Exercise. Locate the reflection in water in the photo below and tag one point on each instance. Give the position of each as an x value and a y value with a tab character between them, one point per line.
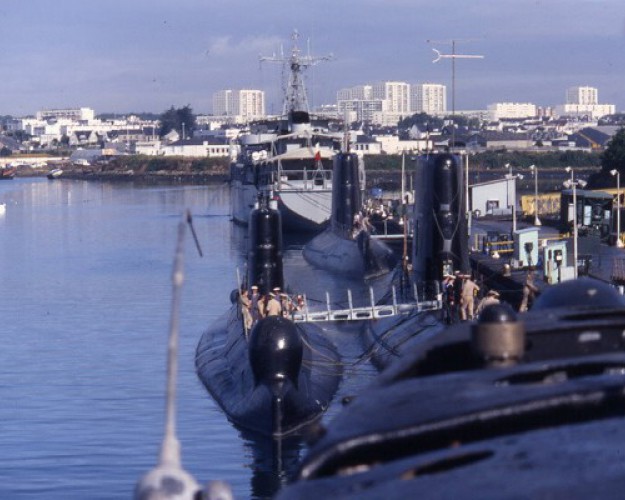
84	319
273	461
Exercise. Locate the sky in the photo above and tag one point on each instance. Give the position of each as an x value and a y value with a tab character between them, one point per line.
148	55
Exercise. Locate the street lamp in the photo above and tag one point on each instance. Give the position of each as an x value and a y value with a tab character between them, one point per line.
573	183
619	243
510	176
534	169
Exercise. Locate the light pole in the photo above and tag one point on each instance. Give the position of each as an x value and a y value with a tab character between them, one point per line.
534	169
619	242
514	178
572	183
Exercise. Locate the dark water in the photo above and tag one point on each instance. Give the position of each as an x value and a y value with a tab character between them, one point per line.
85	273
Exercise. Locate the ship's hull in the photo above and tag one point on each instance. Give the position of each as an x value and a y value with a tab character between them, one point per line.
388	339
508	407
362	257
302	210
223	365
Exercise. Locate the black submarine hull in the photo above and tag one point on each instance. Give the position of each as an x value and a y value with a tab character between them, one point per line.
440	246
388	339
223	365
279	375
464	422
343	248
362	257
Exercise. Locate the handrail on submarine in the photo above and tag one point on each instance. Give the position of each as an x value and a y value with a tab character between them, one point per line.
369	312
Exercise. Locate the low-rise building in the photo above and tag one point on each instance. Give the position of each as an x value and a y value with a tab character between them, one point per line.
198	147
501	110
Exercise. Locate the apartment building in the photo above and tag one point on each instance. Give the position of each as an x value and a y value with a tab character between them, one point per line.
382	103
503	110
245	103
582	95
394	95
430	98
584	102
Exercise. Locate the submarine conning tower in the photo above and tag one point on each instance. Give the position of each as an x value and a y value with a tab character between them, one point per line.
264	260
441	236
346	196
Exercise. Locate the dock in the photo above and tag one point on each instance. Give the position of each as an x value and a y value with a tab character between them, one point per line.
494	268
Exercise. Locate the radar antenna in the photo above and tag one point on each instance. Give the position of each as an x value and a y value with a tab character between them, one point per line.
294	90
453	56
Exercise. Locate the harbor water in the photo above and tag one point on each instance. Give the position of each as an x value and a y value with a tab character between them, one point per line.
85	269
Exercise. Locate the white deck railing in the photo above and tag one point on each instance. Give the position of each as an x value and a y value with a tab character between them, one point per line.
372	311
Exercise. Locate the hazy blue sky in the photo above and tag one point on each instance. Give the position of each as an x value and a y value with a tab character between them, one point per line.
147	55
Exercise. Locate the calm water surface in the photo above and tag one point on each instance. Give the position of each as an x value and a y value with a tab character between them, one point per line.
86	290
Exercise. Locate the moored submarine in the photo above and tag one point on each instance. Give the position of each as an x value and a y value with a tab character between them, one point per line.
281	375
440	247
345	247
513	406
441	236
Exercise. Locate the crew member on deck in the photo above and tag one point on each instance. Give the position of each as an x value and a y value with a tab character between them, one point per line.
246	306
492	297
469	291
274	308
529	293
448	298
262	306
254	310
457	296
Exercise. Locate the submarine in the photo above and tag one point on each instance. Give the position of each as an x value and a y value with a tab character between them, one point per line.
440	247
280	376
528	405
346	246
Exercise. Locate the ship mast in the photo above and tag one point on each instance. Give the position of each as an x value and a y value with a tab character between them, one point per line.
294	91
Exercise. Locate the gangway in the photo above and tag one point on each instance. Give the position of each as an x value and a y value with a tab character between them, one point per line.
369	312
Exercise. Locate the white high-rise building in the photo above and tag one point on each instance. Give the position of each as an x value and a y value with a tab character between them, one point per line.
359	109
584	102
382	103
582	95
222	103
248	104
359	92
430	98
395	95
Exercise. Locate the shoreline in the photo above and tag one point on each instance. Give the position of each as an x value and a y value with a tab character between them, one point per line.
388	181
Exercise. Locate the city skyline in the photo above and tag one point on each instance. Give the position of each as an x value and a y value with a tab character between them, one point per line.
135	56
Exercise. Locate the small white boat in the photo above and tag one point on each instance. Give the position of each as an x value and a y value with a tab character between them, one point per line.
53	174
3	209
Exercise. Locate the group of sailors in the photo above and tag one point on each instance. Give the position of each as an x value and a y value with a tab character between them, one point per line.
459	298
361	223
460	294
256	306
